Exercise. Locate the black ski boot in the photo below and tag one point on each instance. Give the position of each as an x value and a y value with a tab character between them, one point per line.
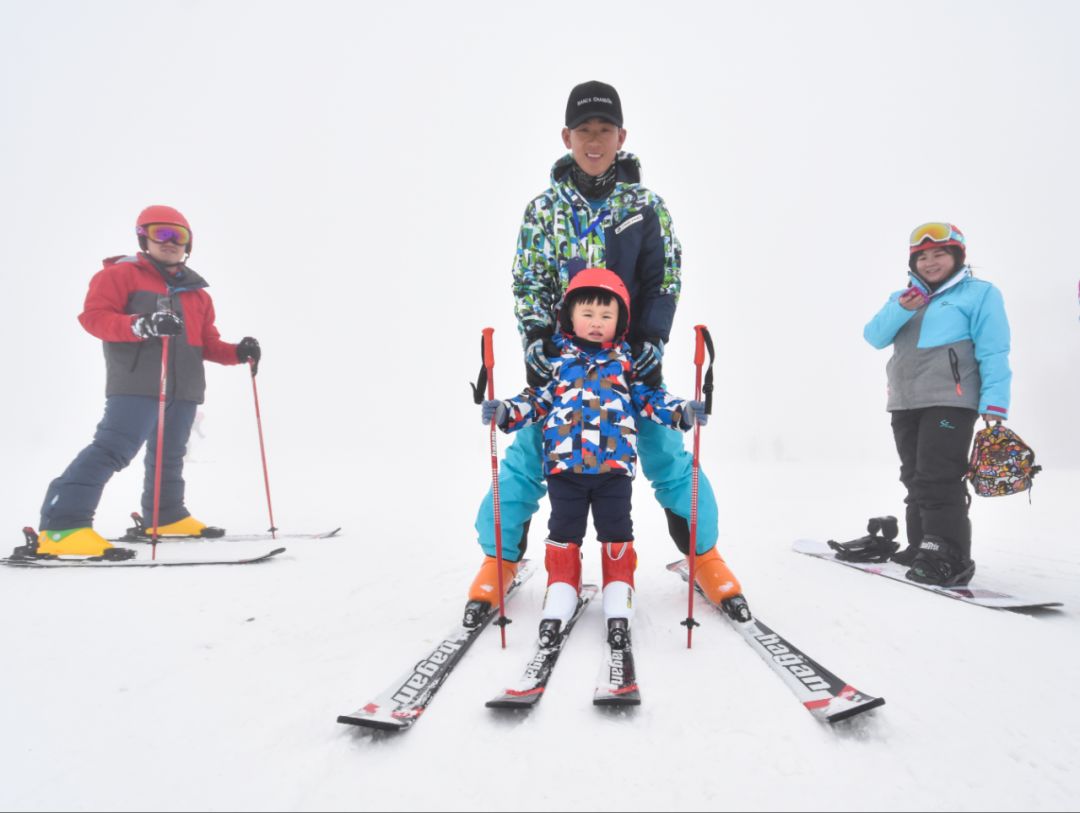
737	608
618	633
939	564
873	547
550	630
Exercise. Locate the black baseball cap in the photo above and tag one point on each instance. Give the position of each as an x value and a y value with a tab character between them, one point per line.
593	100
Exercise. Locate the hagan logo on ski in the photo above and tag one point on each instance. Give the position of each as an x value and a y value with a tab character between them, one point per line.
401	704
823	694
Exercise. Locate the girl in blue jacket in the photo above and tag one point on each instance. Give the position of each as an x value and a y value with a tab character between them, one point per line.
950	364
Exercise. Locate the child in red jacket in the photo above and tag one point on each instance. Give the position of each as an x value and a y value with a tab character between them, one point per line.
133	303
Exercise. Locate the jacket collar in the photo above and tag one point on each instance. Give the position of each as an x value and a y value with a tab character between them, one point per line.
960	276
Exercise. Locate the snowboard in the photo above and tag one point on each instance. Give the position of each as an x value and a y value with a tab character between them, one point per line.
977	592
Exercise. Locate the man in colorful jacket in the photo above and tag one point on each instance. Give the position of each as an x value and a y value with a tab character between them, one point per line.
133	303
596	213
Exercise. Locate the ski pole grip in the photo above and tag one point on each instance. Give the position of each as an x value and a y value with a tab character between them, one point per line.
699	344
489	348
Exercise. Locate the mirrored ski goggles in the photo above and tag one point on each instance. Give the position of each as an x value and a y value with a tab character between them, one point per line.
166	233
945	233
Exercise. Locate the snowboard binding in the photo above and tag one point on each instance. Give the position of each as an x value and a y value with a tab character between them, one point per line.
877	546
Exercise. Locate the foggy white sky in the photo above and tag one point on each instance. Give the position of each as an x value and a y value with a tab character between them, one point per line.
355	174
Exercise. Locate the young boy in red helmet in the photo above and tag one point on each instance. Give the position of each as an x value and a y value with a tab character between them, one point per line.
597	213
589	411
132	303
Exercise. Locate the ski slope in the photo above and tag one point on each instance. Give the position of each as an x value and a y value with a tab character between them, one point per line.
219	689
355	175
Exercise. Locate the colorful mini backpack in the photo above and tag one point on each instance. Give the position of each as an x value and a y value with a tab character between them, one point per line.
1001	463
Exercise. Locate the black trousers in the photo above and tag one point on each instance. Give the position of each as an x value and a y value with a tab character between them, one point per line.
934	444
572	495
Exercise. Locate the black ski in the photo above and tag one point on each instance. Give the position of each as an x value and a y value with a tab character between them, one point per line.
527	692
401	704
822	693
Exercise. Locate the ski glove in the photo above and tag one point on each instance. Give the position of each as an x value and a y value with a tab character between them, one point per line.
496	410
162	323
694	413
648	357
249	349
538	369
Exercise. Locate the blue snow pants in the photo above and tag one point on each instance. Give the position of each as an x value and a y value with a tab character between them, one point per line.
663	459
129	422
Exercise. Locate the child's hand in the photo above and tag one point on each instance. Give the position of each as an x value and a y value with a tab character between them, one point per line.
493	410
913	298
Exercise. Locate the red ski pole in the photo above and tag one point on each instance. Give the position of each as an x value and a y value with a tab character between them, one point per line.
699	361
160	443
262	450
489	365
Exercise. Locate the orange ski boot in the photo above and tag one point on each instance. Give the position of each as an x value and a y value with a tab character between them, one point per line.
484	592
719	584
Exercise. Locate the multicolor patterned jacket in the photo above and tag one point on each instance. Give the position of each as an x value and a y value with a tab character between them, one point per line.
590	410
631	234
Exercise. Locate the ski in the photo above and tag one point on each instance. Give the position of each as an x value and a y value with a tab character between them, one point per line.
823	694
259	537
617	683
139	535
527	692
44	564
401	704
973	593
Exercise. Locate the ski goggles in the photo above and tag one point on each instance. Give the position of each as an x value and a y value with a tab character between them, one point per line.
945	234
166	233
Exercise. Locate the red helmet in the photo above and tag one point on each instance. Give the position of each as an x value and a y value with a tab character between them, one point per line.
161	214
604	280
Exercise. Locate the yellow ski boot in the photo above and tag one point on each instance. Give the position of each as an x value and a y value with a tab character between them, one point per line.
188	527
87	542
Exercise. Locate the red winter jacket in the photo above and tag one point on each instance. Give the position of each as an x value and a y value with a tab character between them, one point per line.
128	286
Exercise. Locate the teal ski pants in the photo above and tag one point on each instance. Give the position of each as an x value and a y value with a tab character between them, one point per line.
662	457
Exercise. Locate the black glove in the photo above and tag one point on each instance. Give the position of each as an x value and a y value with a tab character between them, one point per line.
538	351
648	359
162	323
249	349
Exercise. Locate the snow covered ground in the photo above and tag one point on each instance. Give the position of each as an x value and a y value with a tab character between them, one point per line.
355	175
218	689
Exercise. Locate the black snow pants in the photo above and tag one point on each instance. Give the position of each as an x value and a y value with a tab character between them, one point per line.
934	445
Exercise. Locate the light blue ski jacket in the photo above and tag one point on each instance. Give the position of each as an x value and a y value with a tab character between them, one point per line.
952	352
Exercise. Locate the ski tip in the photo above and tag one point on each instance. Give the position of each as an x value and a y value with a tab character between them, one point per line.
367	722
848	713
